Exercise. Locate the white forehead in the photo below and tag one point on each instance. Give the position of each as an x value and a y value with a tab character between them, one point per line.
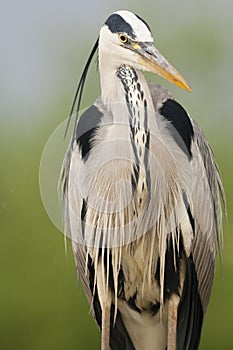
139	27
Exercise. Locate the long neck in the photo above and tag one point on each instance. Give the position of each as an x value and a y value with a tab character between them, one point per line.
112	90
138	101
114	82
136	94
126	94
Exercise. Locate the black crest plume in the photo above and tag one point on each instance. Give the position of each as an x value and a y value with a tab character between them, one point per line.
79	90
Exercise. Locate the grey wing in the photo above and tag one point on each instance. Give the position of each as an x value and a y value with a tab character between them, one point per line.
207	191
203	205
206	209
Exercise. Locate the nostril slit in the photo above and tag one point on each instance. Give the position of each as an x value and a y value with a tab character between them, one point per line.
150	53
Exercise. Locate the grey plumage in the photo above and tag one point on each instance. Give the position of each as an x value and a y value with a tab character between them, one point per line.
142	204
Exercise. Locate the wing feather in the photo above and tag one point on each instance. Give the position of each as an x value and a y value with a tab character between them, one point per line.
205	203
207	196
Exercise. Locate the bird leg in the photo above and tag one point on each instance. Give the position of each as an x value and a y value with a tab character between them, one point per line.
105	335
172	322
105	299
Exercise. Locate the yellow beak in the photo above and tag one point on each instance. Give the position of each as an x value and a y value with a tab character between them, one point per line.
153	61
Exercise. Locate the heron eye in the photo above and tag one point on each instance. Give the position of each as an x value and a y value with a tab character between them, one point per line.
123	38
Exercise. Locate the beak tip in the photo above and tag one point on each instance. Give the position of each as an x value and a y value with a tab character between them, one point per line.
183	84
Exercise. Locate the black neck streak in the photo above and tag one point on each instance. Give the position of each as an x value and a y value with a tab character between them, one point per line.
138	114
134	96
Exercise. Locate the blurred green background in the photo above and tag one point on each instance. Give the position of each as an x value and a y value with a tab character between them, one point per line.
43	49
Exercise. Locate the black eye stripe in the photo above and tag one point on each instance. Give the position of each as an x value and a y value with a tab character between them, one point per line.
117	24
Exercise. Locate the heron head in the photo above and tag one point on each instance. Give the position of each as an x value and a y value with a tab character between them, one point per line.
125	38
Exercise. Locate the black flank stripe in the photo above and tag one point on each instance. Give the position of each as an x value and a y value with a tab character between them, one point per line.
96	302
190	311
119	338
83	214
84	210
121	281
187	206
172	269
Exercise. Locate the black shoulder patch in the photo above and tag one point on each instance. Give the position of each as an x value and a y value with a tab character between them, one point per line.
176	114
190	311
117	24
87	126
96	302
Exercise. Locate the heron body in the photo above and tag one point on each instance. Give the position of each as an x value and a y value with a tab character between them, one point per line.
141	200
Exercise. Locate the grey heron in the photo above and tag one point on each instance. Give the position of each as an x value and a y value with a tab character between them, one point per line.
142	198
